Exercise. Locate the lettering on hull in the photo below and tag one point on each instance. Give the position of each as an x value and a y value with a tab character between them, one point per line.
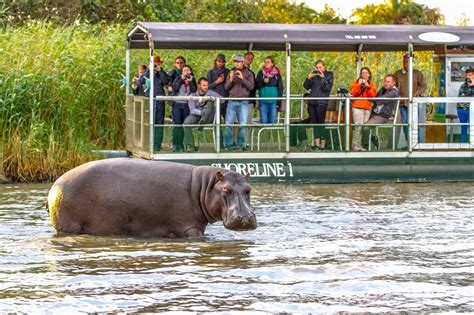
279	170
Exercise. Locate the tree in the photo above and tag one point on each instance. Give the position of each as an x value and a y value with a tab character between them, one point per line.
398	12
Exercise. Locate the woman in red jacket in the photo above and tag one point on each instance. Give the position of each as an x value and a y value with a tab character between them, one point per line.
362	87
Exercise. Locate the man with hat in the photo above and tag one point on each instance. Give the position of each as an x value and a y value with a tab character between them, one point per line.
216	78
161	80
238	84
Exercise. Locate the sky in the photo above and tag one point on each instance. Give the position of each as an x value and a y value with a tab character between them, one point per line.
452	9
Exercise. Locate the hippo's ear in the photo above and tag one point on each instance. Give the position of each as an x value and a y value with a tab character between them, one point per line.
219	176
247	176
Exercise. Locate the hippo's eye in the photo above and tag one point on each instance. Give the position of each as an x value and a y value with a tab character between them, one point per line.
226	190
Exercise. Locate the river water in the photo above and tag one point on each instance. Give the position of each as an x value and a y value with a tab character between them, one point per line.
317	248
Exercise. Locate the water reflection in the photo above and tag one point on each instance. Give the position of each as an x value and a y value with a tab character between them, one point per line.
318	248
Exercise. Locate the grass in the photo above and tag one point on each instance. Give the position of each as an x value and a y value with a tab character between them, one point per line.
62	94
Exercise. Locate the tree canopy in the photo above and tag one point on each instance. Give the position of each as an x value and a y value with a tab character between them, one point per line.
120	11
398	12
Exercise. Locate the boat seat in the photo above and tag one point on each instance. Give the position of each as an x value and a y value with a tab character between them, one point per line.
390	124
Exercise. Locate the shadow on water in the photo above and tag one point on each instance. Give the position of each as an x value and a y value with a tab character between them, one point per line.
318	248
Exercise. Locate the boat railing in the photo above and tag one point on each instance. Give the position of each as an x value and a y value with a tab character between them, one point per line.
436	134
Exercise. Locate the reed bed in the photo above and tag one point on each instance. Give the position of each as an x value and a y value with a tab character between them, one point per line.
62	94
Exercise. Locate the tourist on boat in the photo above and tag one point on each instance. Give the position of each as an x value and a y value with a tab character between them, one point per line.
248	61
382	110
239	83
216	78
138	88
363	87
160	81
319	81
201	112
466	90
269	84
179	62
419	87
183	85
298	135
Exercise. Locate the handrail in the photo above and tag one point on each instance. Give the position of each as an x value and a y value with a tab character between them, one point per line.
343	107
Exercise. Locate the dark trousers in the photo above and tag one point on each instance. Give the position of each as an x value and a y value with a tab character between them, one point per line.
179	112
159	120
317	114
298	133
223	108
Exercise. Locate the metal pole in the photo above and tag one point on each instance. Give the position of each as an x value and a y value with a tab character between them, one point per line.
359	59
471	123
218	125
288	89
152	98
410	97
347	123
127	69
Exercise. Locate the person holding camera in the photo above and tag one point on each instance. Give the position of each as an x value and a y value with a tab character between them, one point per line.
160	81
183	85
362	87
269	84
319	81
216	78
466	90
239	83
201	112
138	88
382	109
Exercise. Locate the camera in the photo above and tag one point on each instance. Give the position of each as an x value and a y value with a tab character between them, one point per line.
188	76
316	72
236	72
468	81
342	91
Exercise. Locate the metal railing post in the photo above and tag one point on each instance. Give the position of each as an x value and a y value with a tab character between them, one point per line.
471	122
218	125
412	117
127	70
152	101
288	98
410	99
347	123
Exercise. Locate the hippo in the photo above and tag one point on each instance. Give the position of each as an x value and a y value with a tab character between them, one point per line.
135	197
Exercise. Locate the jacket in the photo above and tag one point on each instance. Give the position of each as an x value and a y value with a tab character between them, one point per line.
238	87
384	108
357	91
195	107
180	89
212	76
140	86
419	84
275	81
161	80
319	87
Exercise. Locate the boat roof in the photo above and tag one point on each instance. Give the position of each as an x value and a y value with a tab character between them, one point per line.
303	37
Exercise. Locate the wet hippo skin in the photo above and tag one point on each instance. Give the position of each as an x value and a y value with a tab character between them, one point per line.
129	196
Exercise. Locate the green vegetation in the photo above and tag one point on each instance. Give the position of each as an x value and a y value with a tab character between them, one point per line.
61	78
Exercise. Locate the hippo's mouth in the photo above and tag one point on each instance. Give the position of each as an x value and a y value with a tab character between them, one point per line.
238	222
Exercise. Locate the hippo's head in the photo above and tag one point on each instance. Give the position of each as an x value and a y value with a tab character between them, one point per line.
230	200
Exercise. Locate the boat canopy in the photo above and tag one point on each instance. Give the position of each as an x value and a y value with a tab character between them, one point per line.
302	37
